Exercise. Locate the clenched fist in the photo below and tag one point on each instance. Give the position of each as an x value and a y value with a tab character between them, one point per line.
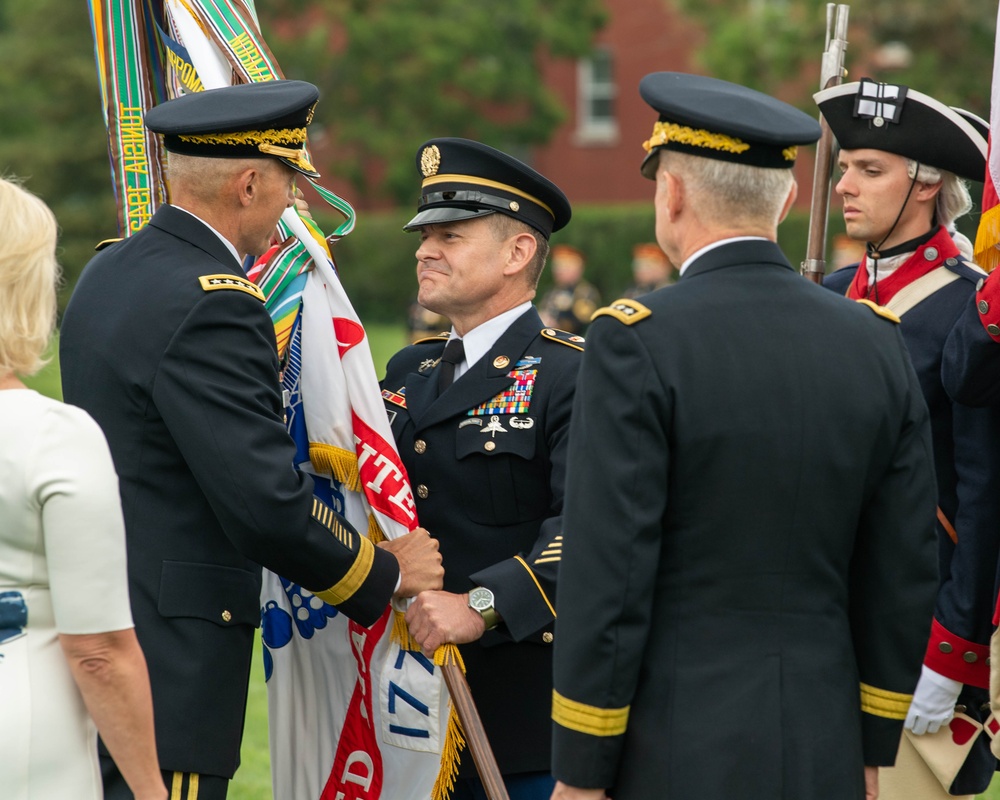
419	562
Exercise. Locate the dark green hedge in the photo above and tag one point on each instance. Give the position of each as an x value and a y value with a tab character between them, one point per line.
376	260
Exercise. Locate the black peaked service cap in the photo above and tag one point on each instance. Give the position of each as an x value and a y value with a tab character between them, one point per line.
463	179
712	118
249	120
896	119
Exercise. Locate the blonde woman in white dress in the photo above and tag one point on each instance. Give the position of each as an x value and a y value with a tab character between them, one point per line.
70	664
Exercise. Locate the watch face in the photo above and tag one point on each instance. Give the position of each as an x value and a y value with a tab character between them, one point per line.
481	598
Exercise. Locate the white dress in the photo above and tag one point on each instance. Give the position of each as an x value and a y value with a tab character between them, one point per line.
62	548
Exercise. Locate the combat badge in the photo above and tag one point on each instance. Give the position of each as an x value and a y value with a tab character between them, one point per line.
428	363
494	427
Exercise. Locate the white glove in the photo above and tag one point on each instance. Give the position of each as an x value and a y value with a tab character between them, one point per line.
933	702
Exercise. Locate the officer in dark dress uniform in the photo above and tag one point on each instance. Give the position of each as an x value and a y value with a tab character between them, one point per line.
483	436
748	549
903	155
570	303
168	346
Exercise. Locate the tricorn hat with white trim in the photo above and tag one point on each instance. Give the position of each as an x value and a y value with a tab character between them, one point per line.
896	119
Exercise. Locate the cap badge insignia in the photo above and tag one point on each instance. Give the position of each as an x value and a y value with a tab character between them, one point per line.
430	160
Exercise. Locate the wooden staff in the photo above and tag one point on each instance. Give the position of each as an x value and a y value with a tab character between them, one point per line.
831	74
475	734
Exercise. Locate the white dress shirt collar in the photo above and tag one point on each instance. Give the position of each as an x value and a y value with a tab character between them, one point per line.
713	245
223	239
480	339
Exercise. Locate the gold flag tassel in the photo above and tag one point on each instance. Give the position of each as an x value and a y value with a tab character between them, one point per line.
987	253
341	464
454	738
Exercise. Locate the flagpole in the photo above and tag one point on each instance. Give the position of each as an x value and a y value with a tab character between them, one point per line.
475	734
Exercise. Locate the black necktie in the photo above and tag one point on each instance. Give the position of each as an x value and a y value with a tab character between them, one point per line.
454	353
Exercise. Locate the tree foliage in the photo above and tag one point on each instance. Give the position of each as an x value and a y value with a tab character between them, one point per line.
775	45
395	73
52	133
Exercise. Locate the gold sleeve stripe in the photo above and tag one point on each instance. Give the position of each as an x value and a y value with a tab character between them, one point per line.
883	703
211	283
591	720
541	591
345	588
325	516
548	560
557	552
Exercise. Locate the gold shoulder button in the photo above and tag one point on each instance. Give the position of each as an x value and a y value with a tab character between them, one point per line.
563	337
882	311
437	337
106	243
211	283
626	311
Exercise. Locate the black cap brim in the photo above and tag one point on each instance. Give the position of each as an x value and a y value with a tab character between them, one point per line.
436	216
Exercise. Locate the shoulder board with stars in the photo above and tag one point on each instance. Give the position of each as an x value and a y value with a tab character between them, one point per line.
438	337
626	311
211	283
882	311
563	337
106	243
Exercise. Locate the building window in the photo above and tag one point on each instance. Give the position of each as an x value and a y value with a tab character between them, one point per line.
596	123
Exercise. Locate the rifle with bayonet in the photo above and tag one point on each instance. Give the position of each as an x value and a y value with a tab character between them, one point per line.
831	74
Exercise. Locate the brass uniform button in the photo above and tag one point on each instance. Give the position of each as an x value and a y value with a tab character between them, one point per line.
490	446
944	647
226	616
969	657
993	330
983	306
420	446
930	253
422	492
547	637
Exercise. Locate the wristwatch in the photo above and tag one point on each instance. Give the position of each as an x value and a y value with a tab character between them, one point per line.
481	600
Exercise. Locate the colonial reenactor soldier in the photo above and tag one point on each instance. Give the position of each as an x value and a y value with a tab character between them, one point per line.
168	346
569	304
746	583
902	160
971	367
481	417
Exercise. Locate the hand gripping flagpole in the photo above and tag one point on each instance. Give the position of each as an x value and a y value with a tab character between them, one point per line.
831	74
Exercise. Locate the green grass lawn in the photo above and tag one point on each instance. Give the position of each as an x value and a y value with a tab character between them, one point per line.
253	780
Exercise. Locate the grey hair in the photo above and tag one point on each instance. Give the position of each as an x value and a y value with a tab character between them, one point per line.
953	199
205	177
736	193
